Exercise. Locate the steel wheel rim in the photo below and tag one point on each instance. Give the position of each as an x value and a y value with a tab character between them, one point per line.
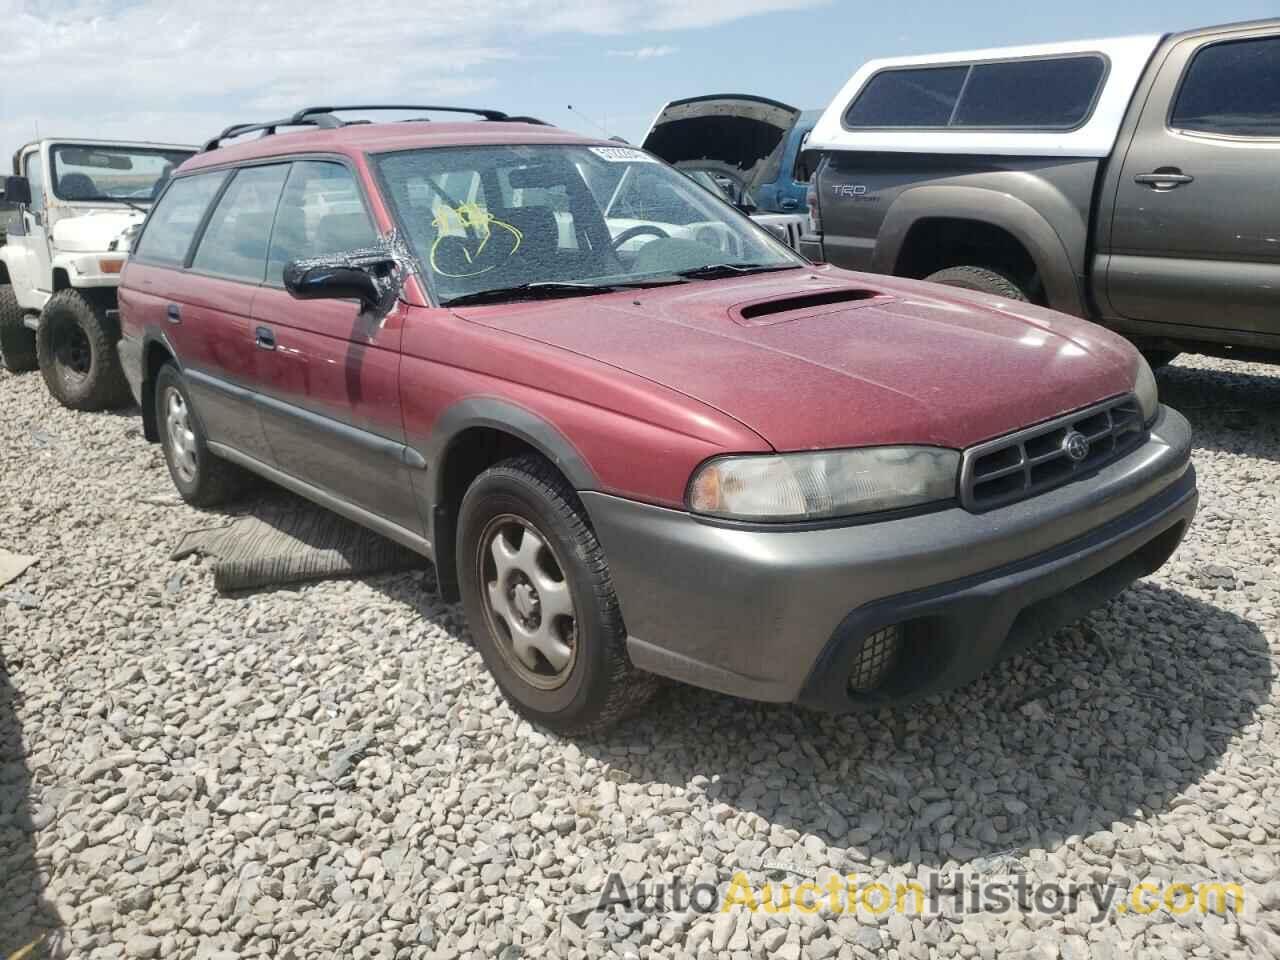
528	603
182	439
71	350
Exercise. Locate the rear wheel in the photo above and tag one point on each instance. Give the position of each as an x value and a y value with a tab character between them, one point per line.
981	279
1160	358
17	343
540	602
202	479
76	347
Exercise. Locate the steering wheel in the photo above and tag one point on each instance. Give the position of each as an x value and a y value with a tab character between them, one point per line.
639	230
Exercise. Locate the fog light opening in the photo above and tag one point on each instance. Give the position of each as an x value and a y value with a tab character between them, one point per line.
875	659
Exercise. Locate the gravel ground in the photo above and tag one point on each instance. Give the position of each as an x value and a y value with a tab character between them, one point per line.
328	771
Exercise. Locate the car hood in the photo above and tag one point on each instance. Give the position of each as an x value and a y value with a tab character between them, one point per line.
93	230
738	131
820	358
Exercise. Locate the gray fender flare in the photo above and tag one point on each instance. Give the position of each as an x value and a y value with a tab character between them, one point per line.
497	414
985	205
511	418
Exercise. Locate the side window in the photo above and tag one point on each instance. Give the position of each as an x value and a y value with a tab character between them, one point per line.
907	98
1232	88
1057	92
320	213
173	223
34	170
234	244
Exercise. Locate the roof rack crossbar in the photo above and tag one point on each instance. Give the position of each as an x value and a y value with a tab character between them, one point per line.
323	118
477	111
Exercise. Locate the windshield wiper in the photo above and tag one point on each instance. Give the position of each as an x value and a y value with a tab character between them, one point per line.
103	198
713	270
540	290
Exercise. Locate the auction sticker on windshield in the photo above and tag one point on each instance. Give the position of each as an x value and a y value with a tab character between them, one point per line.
622	155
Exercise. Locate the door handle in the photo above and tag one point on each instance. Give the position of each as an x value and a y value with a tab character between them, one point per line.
264	338
789	204
1165	178
173	313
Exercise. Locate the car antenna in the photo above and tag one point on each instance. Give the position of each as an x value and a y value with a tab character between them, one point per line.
598	126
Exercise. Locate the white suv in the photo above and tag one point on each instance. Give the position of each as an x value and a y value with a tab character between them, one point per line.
73	208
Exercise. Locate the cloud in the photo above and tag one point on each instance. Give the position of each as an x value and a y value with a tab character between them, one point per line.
645	53
179	70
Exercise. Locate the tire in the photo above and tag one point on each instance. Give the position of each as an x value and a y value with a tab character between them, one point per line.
76	347
596	685
1160	358
980	279
17	343
202	479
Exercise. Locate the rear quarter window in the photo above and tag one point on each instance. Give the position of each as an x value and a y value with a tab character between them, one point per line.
1051	93
173	224
1233	89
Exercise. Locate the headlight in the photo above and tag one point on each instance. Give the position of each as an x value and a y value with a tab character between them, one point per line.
831	483
1146	390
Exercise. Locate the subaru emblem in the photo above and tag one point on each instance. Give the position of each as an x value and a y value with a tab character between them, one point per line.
1075	445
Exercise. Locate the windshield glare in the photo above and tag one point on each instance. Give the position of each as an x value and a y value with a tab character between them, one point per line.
104	173
496	217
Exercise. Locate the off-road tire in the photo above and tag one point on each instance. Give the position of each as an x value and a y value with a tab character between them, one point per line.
981	279
1160	358
17	343
602	686
101	385
215	480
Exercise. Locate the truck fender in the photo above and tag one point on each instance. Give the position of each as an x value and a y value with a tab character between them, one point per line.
1017	217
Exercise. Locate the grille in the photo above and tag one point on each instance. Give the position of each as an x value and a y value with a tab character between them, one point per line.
875	659
1028	462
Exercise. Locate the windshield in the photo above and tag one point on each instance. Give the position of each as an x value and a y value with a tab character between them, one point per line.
498	218
111	174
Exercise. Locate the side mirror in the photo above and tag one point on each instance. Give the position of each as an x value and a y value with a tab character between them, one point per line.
307	280
17	190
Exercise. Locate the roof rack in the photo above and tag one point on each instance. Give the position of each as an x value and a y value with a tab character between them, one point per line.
323	118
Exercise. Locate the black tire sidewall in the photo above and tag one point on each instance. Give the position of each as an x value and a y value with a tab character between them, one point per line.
17	343
194	491
100	387
980	280
586	689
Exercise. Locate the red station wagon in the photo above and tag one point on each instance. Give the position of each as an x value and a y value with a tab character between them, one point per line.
636	434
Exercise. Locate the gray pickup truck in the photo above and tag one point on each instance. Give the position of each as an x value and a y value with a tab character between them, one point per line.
1134	181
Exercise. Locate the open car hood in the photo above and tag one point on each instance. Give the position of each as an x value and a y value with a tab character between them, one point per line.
724	131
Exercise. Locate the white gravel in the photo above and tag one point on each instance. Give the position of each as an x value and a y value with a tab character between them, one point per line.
328	771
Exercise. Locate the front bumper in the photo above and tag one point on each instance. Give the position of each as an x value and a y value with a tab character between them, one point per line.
780	615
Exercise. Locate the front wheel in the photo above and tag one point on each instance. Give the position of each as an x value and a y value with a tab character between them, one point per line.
540	602
17	343
76	347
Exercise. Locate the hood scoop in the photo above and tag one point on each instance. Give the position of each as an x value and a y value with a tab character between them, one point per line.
783	309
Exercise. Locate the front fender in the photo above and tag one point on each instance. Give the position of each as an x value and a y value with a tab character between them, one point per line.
980	204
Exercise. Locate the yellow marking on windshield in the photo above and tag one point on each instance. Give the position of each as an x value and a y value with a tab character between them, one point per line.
472	221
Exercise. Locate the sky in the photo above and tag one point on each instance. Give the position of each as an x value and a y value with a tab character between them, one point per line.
179	71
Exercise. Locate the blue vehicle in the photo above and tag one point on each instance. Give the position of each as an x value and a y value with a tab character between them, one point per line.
750	145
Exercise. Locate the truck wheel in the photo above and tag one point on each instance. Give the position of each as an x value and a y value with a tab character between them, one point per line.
981	279
1160	358
540	603
76	347
202	479
17	343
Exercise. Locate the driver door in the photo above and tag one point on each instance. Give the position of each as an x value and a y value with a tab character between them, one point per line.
30	265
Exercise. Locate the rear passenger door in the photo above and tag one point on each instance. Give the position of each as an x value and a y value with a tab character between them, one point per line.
1195	236
329	371
212	326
